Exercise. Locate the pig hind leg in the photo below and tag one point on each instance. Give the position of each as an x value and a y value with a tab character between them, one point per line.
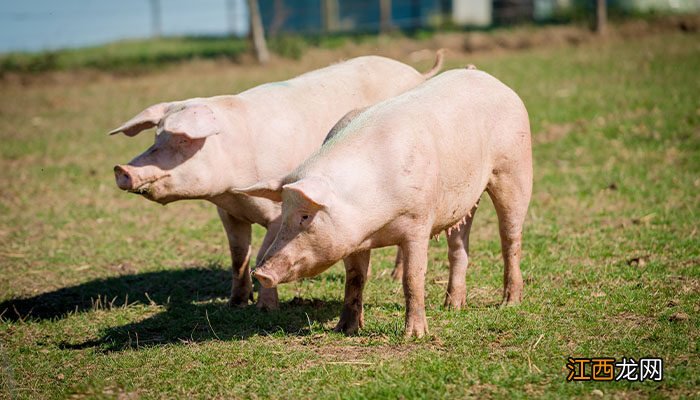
352	316
458	255
510	192
397	273
239	237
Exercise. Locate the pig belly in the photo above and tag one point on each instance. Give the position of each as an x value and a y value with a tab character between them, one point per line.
454	209
464	174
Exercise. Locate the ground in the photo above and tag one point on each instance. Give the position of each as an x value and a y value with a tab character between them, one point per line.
104	294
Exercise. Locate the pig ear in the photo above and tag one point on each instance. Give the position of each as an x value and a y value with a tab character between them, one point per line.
146	119
315	191
271	190
195	122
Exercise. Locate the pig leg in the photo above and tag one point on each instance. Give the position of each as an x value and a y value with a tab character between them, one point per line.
239	237
352	316
511	195
267	297
415	256
397	273
458	254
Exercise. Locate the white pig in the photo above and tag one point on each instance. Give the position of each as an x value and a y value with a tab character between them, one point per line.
204	146
399	173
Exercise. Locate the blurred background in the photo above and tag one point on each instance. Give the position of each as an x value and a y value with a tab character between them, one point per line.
51	26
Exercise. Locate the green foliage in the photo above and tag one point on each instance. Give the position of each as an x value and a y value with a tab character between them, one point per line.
144	55
288	46
126	55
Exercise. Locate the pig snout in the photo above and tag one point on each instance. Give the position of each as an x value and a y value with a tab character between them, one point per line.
124	178
273	271
266	277
137	179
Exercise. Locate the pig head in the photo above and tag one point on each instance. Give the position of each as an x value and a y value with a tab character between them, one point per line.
317	229
186	160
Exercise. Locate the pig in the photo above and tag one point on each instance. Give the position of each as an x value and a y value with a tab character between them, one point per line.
205	146
399	173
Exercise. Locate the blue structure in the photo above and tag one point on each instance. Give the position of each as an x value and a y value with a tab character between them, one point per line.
310	16
307	16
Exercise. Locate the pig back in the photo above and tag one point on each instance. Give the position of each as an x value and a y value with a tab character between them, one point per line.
289	120
454	129
482	126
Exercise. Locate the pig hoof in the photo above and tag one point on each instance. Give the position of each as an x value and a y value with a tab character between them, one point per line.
267	305
235	302
397	274
240	300
347	327
350	322
268	299
455	304
511	300
416	329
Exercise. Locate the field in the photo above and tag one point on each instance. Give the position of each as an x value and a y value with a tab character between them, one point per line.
106	295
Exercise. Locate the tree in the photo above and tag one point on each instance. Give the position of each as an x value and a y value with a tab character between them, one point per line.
257	32
601	17
329	11
155	18
385	15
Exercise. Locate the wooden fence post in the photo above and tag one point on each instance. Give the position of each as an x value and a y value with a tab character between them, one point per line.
258	32
329	13
384	16
601	17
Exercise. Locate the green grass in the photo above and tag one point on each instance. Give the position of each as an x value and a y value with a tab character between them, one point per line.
144	55
617	174
127	55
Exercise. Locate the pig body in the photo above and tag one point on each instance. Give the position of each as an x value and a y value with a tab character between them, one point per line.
399	173
205	146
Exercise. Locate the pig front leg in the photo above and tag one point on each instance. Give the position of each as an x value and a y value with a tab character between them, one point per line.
415	256
268	299
352	316
239	237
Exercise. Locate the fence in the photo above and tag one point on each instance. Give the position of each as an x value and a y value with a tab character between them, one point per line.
51	24
328	16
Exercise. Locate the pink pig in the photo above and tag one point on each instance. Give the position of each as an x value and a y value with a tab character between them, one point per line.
205	146
399	173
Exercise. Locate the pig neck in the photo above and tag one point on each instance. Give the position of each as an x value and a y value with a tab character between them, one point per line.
360	190
239	168
241	207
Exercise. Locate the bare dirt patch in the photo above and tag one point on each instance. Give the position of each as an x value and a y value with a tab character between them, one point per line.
631	319
552	132
355	355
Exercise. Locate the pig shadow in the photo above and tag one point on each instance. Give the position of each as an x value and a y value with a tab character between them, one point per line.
188	315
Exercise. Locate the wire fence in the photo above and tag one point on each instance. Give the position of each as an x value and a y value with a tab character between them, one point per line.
329	16
50	24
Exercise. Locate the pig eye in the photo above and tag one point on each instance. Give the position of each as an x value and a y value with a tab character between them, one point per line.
303	218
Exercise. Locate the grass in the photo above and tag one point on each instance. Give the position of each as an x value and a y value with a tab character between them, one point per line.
127	55
147	55
107	295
